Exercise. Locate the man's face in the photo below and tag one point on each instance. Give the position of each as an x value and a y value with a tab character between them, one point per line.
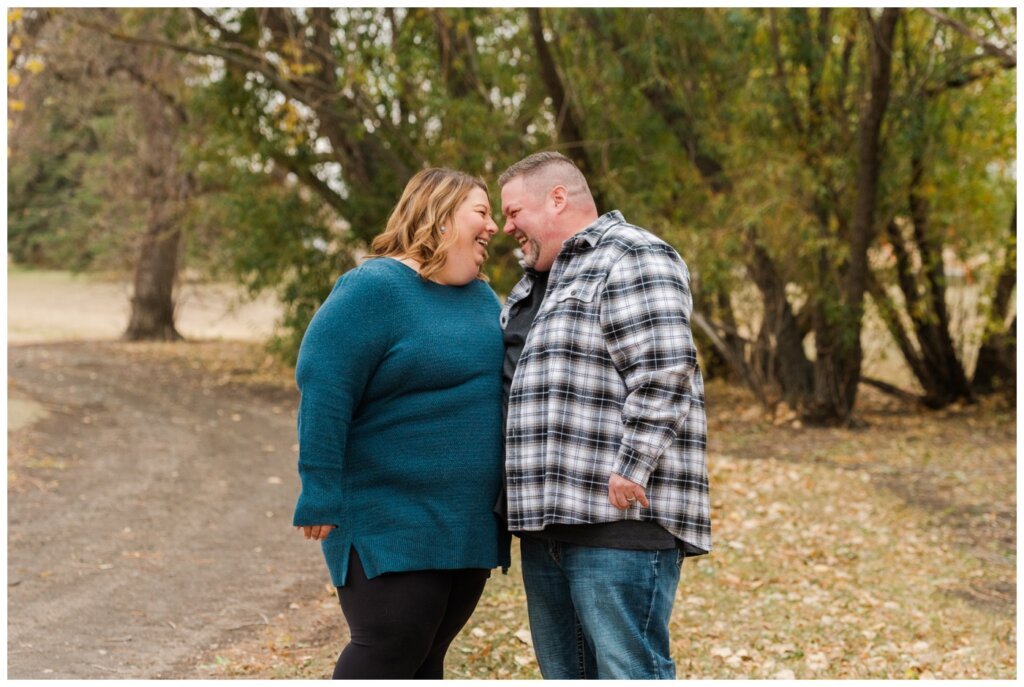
527	221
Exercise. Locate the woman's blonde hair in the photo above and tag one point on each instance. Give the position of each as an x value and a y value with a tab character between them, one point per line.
428	203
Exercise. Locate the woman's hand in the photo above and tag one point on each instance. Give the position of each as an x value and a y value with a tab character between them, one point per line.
318	532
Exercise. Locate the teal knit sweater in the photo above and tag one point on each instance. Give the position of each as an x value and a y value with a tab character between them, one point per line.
400	440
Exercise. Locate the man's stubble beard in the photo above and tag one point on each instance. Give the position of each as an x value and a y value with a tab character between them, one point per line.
530	259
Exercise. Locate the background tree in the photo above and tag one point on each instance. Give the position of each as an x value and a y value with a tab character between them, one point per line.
954	176
96	175
798	158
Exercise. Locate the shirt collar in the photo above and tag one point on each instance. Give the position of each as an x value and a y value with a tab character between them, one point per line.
593	233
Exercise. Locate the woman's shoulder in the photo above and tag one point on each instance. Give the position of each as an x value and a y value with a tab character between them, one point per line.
373	275
378	269
361	289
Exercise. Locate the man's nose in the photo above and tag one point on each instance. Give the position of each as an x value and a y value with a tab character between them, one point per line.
509	227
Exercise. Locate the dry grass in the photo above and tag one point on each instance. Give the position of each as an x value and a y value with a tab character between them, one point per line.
882	552
56	306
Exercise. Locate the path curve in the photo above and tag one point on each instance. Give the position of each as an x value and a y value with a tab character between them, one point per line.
153	517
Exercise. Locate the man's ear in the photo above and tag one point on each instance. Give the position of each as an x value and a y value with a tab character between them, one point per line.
559	197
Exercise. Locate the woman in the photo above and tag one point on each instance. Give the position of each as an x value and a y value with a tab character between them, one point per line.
400	446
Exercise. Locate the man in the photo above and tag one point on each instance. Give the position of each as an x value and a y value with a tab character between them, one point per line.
606	470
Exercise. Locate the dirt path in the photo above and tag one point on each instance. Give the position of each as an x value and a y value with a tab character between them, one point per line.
148	513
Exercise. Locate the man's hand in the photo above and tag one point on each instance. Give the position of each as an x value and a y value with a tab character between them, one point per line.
623	494
315	531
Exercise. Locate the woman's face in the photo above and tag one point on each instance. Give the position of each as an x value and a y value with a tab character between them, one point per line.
473	227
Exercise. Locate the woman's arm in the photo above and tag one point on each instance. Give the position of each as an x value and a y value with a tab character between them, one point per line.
344	343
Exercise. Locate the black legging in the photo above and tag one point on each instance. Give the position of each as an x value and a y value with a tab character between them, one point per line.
402	623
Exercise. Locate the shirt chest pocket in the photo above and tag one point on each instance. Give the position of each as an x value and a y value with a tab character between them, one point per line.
575	307
572	326
577	293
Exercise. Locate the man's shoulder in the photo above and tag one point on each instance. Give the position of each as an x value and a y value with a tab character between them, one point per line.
623	238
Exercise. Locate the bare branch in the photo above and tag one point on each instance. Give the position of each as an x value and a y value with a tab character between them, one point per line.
964	79
890	389
311	180
999	28
286	86
1006	56
734	360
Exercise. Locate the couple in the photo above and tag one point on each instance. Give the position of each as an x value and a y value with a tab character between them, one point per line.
415	381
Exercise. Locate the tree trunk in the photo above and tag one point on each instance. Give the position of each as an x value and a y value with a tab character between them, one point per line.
997	364
837	333
948	381
455	44
996	370
152	317
570	129
786	362
165	186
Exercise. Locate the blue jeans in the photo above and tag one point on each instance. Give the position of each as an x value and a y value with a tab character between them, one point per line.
600	613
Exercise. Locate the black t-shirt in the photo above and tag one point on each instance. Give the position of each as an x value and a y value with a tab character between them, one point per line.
519	322
626	534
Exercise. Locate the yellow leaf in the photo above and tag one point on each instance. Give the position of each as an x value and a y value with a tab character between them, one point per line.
16	106
13	79
16	42
13	15
35	66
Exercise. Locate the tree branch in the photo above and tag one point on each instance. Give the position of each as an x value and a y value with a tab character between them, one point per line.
1005	55
964	79
569	130
214	24
297	87
891	389
890	317
995	22
733	359
307	177
458	58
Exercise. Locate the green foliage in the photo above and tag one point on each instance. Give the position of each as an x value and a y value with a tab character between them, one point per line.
68	205
305	125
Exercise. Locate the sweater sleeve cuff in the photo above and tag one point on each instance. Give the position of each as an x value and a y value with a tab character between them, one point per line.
633	465
320	499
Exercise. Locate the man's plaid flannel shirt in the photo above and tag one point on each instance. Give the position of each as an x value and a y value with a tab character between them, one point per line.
608	381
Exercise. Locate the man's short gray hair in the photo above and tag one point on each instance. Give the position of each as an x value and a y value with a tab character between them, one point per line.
549	168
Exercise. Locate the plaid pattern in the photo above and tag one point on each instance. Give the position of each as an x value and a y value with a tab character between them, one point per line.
609	382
